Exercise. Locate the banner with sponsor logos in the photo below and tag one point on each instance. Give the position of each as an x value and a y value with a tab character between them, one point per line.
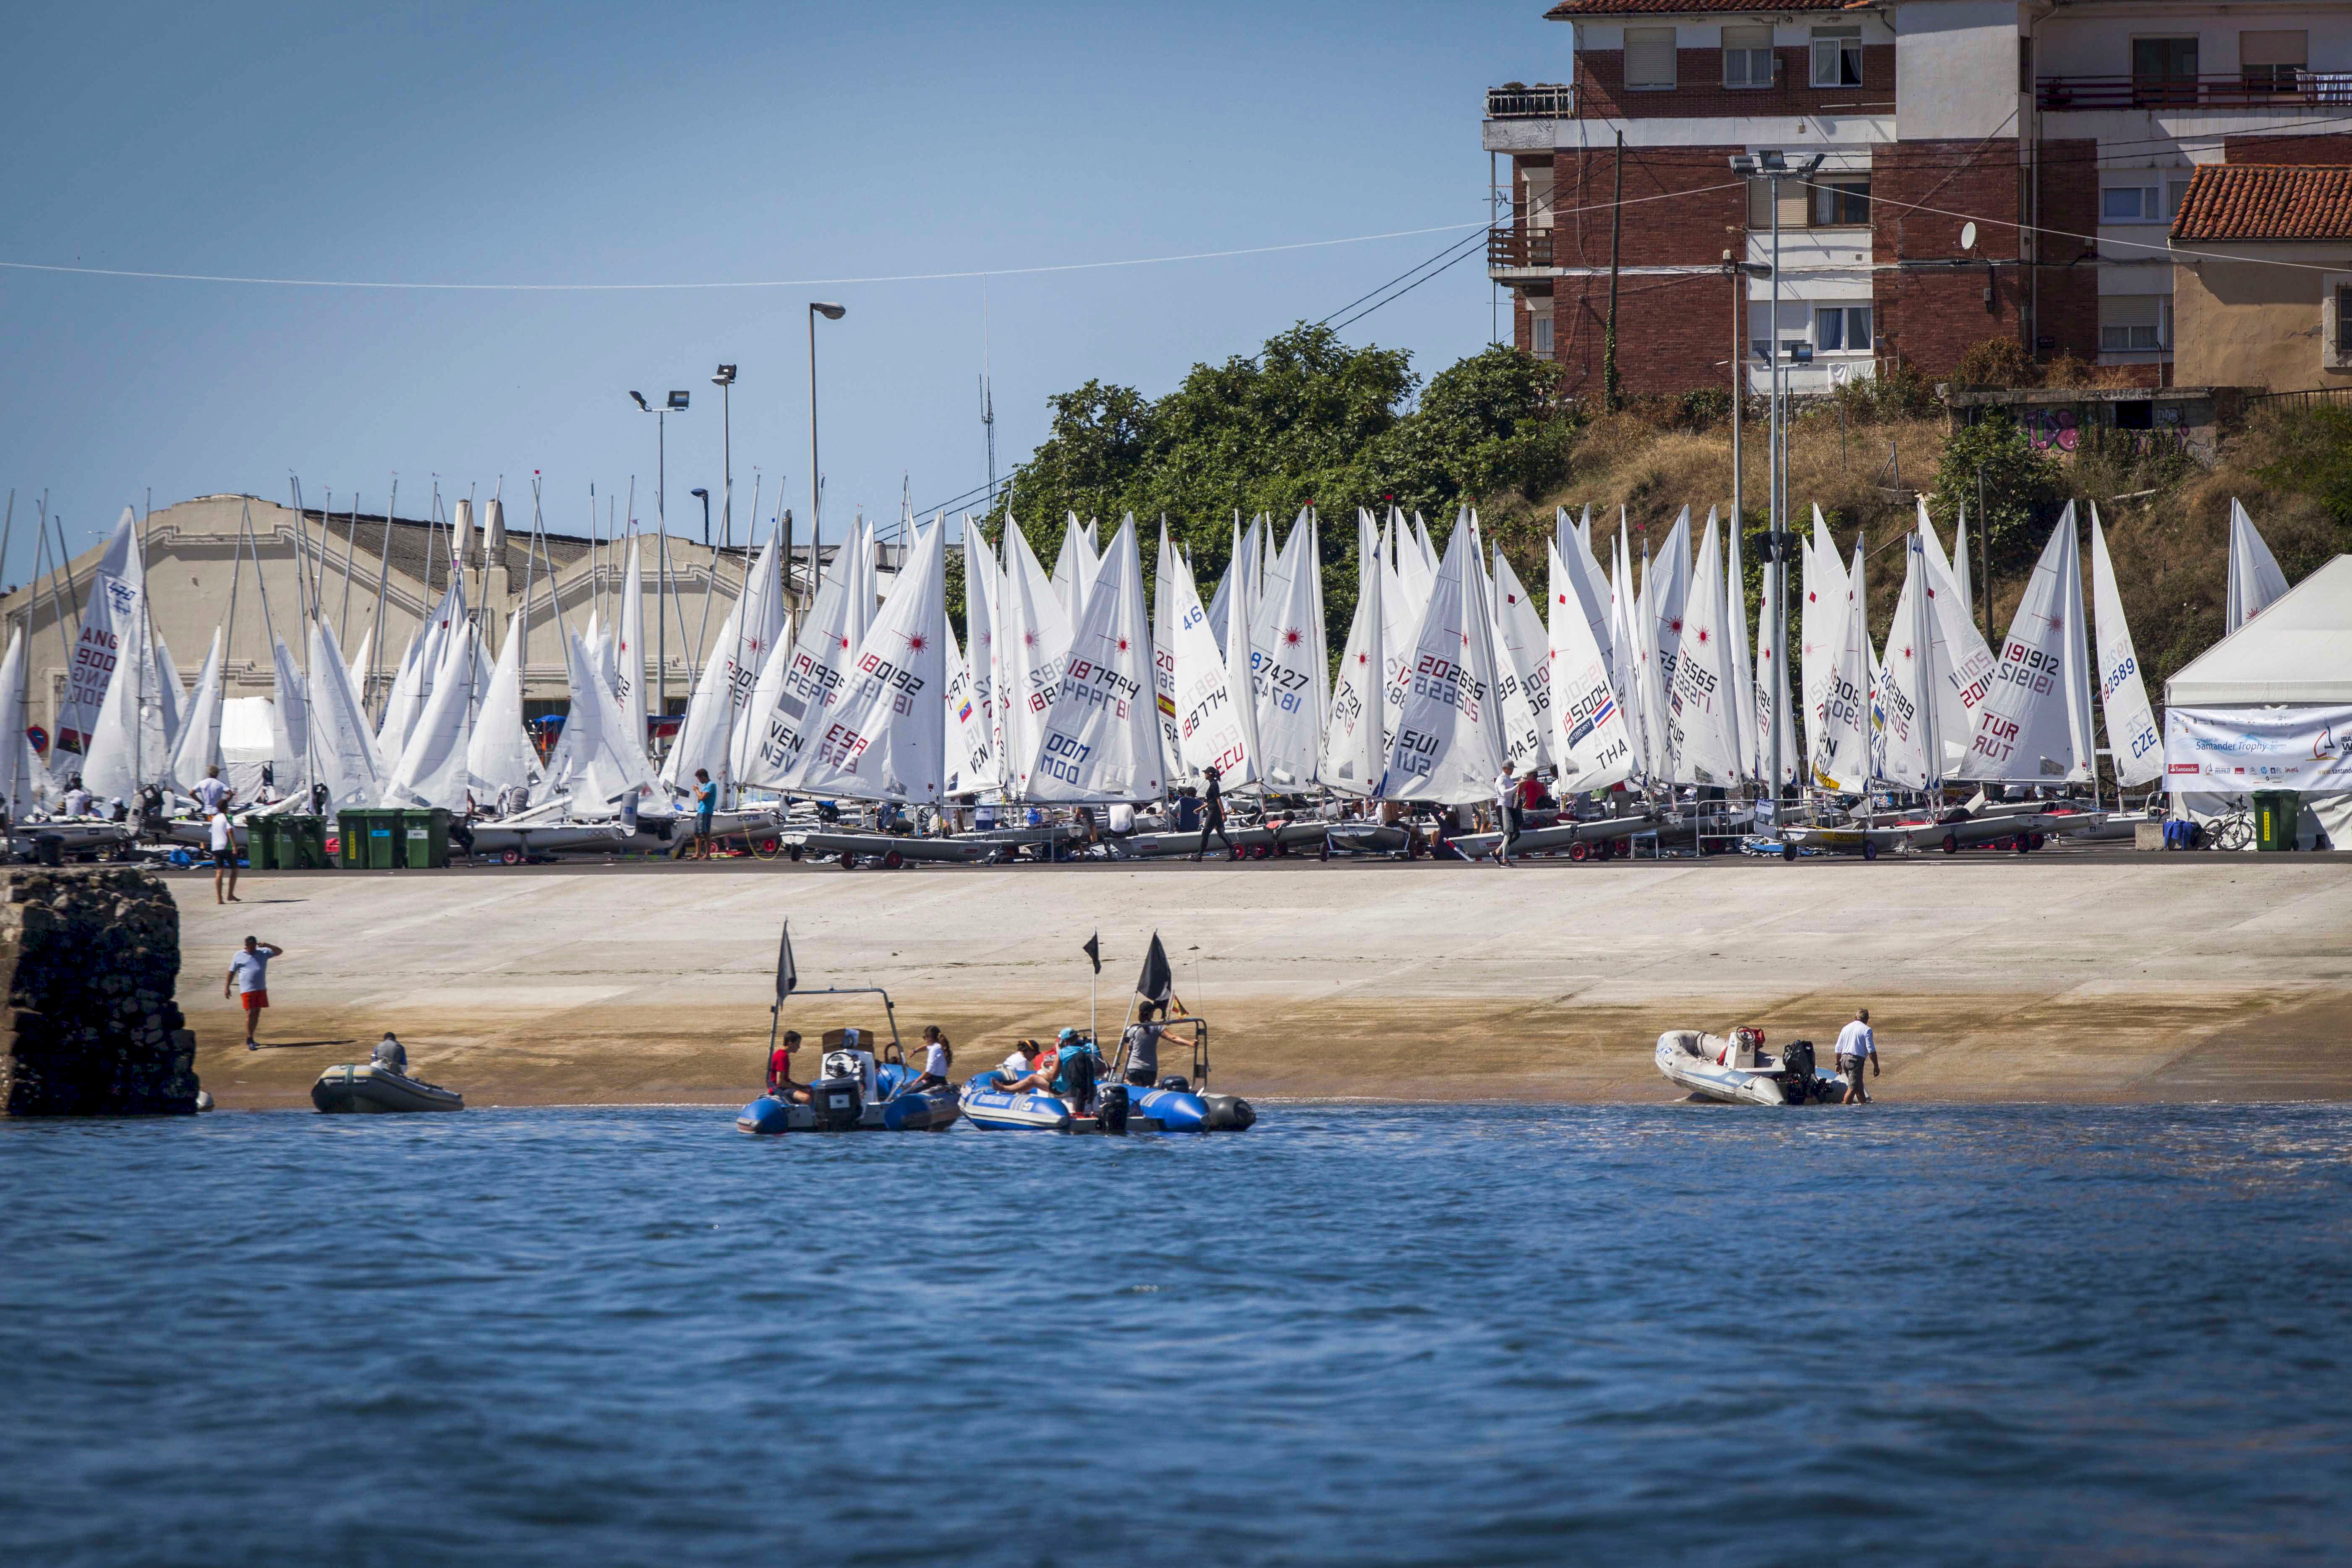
2231	751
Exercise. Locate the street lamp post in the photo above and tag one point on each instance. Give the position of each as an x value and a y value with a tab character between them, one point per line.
704	497
1773	167
725	380
675	404
831	312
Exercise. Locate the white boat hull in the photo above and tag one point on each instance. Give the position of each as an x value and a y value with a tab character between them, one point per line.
1688	1059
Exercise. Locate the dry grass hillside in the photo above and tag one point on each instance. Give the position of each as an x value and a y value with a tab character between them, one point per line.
2292	471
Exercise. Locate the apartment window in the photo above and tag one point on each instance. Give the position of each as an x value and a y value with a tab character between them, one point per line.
2135	323
1841	329
2175	193
2271	62
1539	328
1837	57
2336	323
1842	204
2164	71
2344	319
1748	57
1793	206
2131	204
1650	58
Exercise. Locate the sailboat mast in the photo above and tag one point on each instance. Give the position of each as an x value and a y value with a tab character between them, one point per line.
382	587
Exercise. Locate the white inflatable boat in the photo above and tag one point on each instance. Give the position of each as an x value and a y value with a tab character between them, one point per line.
1738	1070
368	1088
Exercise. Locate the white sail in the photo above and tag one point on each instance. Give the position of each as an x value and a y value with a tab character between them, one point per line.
1841	743
289	721
1906	705
1933	546
599	761
1960	565
498	753
358	667
2255	579
1354	744
980	585
16	777
110	622
432	771
731	668
2133	744
1650	669
1624	660
1773	708
1448	742
886	736
629	649
799	683
1242	571
1590	739
342	753
198	747
1035	638
1404	596
1960	667
1074	567
1102	733
1522	671
2036	727
1752	764
169	693
1283	658
1587	583
1820	619
402	703
1702	713
972	757
1209	719
129	745
1163	650
1665	582
1240	606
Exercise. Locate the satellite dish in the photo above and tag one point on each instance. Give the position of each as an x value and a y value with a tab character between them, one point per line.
1968	237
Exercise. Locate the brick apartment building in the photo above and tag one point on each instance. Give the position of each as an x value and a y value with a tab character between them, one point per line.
2065	131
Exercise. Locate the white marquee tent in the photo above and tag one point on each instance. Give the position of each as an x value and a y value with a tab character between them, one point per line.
2269	706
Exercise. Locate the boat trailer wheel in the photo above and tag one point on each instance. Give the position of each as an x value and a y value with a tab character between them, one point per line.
848	861
1870	850
1579	850
1951	843
2033	841
794	851
893	860
2020	844
509	857
1788	852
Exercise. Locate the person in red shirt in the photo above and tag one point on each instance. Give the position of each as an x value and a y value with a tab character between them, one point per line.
780	1070
1531	791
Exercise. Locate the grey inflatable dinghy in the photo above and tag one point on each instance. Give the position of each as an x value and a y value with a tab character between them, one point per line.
367	1088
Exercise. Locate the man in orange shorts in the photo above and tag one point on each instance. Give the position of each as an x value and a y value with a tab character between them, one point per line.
248	977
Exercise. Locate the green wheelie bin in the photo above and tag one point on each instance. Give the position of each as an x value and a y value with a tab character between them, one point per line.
425	838
302	844
350	835
2276	812
261	843
383	845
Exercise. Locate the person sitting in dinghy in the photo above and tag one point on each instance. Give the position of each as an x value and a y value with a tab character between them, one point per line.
780	1071
938	1057
391	1054
1028	1070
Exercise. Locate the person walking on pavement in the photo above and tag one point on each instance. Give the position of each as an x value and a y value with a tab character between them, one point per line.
248	977
1506	814
1212	818
1855	1045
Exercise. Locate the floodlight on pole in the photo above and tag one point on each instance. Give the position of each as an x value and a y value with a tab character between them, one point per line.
831	312
724	380
704	496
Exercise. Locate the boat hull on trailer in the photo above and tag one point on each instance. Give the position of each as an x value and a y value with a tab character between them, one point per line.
369	1089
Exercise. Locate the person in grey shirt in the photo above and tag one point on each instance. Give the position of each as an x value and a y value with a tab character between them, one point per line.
1141	1041
391	1054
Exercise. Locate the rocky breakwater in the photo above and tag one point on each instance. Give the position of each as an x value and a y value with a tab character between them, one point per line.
90	961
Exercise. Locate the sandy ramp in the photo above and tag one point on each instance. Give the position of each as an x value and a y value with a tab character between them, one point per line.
1990	978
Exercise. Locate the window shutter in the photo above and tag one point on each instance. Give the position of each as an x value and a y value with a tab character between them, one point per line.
2277	48
1649	57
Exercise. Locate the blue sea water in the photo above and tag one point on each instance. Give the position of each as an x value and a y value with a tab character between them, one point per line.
1362	1335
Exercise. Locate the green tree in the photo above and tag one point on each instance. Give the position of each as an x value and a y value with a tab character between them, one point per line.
2021	488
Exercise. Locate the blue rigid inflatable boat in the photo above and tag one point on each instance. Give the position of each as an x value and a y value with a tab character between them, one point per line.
857	1090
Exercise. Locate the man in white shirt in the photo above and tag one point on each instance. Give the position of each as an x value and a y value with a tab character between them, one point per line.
210	795
248	977
1506	814
223	843
77	799
1856	1045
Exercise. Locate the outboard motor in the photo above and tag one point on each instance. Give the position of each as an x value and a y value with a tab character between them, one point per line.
1799	1084
1114	1109
839	1102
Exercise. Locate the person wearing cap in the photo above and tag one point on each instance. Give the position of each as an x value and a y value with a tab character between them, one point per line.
1213	816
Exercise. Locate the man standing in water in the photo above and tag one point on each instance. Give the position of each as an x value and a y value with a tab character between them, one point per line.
248	976
1855	1043
1213	816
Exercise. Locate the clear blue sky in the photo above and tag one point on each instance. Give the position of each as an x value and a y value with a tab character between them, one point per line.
596	143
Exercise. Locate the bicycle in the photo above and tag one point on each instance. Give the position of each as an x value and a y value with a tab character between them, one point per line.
2233	831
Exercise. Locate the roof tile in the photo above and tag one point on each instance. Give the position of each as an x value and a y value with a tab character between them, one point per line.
2266	201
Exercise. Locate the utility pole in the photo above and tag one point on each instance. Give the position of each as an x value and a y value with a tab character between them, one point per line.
1609	383
1984	557
1739	374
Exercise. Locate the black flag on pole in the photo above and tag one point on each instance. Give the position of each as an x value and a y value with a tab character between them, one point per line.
786	975
1158	982
1093	950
